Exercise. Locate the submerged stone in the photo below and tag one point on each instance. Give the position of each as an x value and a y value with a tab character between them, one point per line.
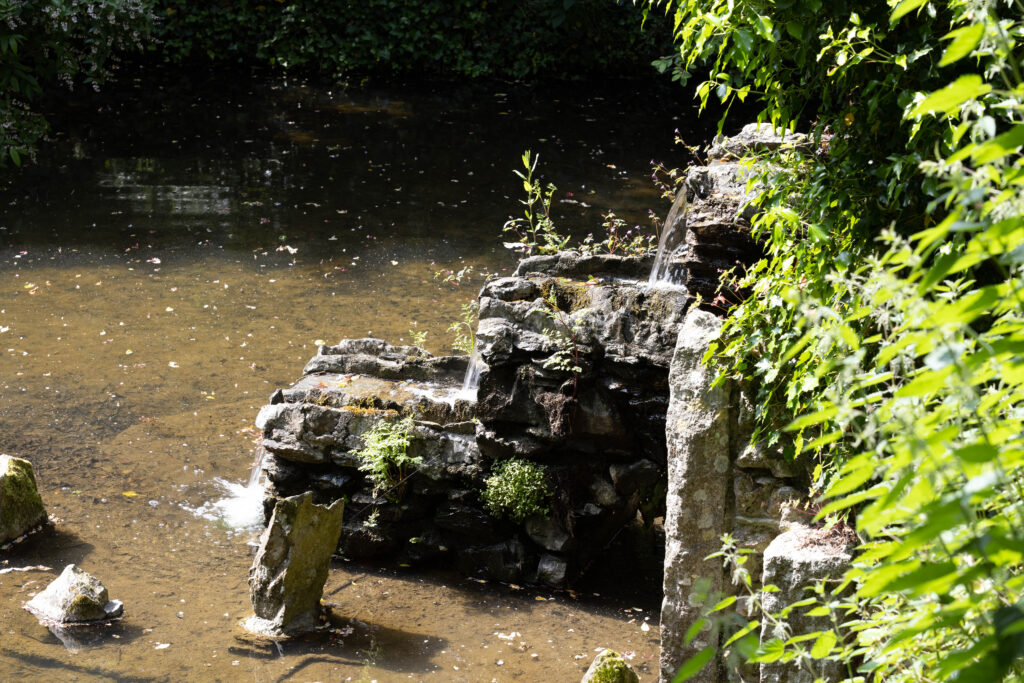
287	577
75	597
21	508
610	667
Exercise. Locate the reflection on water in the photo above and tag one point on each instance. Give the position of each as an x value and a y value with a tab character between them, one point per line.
181	262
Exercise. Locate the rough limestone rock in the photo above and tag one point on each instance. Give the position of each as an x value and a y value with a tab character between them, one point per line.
610	667
795	561
712	232
698	434
754	138
21	508
287	577
75	597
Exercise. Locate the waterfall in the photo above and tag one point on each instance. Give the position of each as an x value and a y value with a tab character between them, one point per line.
672	241
257	469
472	379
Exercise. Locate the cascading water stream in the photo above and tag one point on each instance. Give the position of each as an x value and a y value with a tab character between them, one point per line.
257	469
471	382
672	242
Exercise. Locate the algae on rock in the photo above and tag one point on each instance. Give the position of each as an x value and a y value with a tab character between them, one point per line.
21	508
287	577
610	667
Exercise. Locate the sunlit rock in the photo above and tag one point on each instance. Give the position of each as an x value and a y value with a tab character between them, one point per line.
610	667
21	508
287	577
75	597
793	563
698	435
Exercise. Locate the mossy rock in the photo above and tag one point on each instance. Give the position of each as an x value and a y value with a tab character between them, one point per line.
21	508
610	667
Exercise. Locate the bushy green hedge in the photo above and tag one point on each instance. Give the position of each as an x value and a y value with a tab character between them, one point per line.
886	324
453	38
49	43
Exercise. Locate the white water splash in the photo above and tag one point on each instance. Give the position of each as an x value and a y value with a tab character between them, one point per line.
242	506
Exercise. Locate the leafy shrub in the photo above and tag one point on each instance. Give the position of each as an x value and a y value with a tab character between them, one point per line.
517	489
385	457
46	43
469	38
885	325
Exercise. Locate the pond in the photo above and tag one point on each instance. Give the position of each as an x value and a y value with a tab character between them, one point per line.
178	255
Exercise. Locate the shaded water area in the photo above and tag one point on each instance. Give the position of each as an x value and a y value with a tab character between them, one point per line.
177	257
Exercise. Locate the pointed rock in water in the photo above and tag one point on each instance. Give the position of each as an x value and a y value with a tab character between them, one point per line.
75	597
287	577
21	508
610	667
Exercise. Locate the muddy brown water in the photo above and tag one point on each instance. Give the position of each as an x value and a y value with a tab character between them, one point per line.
176	257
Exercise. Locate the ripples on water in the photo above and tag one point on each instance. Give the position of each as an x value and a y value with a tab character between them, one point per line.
179	255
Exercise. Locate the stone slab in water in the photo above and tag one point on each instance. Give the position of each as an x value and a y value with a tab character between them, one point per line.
21	508
287	577
75	597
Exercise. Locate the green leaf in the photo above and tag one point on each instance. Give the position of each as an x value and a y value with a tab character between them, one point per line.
728	602
694	665
769	652
1009	142
742	632
818	417
904	8
948	99
964	40
823	645
694	629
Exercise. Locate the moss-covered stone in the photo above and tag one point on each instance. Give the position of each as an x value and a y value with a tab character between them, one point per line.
21	508
610	667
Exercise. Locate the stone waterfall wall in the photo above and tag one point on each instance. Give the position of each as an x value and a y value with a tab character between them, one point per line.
596	423
576	377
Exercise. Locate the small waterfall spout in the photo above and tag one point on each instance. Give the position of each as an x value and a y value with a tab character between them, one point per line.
257	469
673	241
472	380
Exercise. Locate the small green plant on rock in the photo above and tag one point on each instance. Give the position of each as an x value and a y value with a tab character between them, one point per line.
564	339
535	230
517	489
384	456
465	328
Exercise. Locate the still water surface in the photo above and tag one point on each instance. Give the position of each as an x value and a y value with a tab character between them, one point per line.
176	259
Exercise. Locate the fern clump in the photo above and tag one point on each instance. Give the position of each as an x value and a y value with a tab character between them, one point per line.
384	456
517	489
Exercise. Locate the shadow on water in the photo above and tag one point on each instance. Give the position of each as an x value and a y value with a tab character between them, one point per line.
348	641
51	545
38	667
